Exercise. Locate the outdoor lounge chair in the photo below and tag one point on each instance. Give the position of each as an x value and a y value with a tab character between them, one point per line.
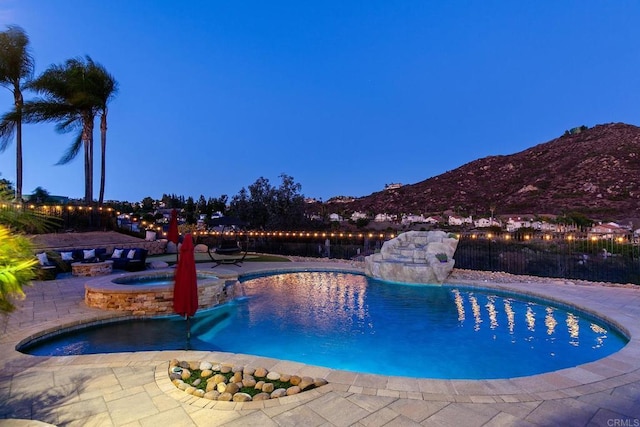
229	248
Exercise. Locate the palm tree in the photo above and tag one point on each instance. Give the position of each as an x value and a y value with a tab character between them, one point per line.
16	67
106	89
73	93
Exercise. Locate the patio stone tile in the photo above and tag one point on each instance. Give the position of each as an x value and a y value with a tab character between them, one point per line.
254	419
99	420
506	420
605	417
619	404
416	410
211	417
337	410
172	417
84	409
370	403
300	416
564	412
131	408
379	418
462	414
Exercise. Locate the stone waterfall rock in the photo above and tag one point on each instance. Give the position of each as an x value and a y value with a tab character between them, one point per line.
411	258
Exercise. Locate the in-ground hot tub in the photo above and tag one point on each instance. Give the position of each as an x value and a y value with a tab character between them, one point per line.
152	292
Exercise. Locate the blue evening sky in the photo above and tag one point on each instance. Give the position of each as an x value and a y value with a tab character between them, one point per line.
344	96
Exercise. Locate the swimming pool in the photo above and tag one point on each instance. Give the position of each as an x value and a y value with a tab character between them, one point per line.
347	321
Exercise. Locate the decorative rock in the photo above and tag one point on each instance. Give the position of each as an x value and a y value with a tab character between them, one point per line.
196	382
173	362
186	374
295	380
249	382
175	375
268	387
242	397
211	395
217	378
183	386
319	382
206	373
237	377
236	369
411	258
205	366
193	365
211	386
200	248
183	364
225	369
294	389
273	376
177	382
261	396
285	378
225	397
216	367
198	393
280	392
190	389
228	388
249	371
306	382
259	385
260	373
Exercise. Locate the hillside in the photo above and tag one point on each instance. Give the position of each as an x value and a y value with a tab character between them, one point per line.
595	172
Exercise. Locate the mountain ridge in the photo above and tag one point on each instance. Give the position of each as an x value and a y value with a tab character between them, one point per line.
594	171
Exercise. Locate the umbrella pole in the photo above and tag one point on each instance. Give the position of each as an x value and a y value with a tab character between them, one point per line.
188	330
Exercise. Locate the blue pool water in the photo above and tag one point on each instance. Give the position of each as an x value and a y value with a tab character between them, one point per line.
347	321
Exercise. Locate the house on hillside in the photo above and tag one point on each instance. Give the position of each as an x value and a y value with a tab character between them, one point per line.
610	230
384	217
412	219
334	217
433	220
460	220
486	222
517	223
358	215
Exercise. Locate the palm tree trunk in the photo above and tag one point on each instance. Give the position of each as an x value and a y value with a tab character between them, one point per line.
18	102
103	154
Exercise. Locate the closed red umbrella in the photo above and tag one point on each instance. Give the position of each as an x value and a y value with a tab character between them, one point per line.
185	290
173	235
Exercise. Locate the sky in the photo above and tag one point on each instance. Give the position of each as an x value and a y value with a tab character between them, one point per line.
344	97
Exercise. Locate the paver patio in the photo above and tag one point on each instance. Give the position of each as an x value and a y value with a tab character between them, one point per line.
132	389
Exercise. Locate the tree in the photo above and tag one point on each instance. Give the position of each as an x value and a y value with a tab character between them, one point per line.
106	89
16	68
72	94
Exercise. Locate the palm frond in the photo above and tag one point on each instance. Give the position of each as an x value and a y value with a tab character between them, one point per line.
72	151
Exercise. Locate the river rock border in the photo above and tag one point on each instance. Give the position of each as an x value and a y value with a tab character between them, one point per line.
228	383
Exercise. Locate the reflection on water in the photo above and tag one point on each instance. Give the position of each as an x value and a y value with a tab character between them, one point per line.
350	322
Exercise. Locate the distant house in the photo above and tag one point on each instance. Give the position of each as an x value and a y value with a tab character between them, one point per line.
609	230
392	186
486	222
517	223
358	215
433	220
413	219
334	217
545	226
459	220
383	217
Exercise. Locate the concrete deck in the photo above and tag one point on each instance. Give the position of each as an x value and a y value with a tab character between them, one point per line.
132	389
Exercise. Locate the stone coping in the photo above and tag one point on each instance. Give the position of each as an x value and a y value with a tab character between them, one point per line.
107	284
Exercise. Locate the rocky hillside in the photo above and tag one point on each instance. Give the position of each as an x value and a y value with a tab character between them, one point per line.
592	171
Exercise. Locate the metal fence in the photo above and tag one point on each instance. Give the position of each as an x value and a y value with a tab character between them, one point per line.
570	256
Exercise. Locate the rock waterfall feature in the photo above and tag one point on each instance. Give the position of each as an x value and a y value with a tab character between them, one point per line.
414	257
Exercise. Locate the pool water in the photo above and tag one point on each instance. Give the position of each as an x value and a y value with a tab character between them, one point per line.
351	322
